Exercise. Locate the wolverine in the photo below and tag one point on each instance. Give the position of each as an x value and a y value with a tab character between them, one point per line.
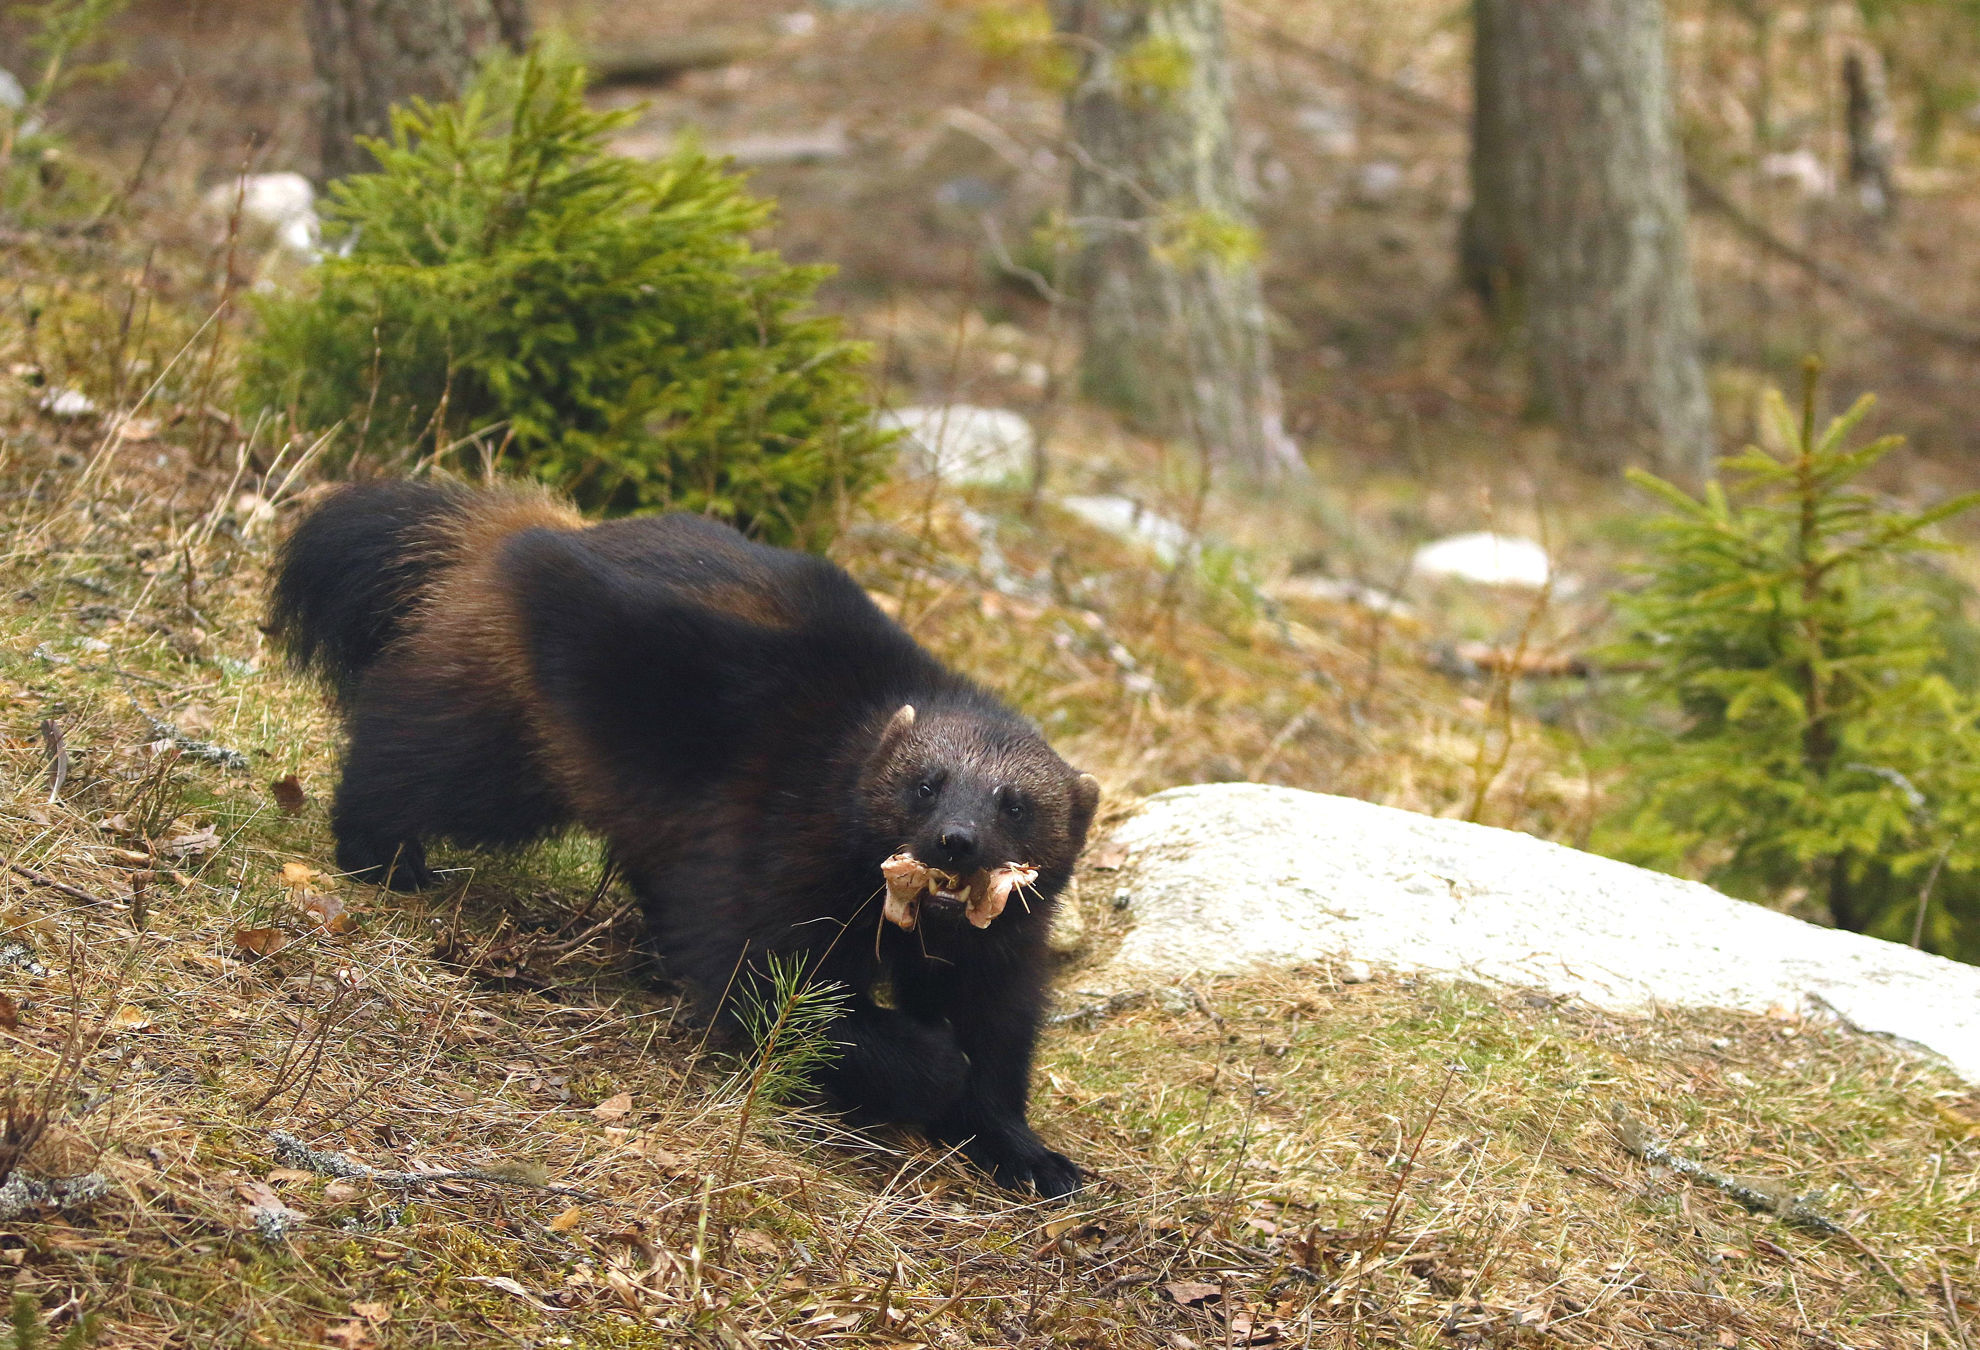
753	740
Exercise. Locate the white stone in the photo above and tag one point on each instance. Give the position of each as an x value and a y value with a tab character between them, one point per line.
1485	558
284	202
1379	179
12	96
1128	519
1237	876
1331	124
68	403
1801	169
960	443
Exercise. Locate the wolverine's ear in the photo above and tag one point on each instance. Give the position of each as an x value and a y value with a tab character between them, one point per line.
898	726
1086	800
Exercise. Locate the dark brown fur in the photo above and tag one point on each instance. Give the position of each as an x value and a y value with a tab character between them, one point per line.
729	718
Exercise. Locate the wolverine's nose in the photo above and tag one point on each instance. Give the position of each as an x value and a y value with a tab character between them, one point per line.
957	847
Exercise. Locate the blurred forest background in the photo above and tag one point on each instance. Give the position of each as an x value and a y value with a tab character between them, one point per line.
1337	326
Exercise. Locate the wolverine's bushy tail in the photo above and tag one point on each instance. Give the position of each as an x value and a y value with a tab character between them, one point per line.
350	572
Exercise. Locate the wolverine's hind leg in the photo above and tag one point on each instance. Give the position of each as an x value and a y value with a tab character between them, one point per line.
429	760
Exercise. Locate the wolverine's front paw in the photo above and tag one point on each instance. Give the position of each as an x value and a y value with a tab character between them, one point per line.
1018	1159
1053	1175
399	864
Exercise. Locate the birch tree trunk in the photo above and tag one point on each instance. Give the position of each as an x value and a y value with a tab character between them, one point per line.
1577	226
1165	272
371	54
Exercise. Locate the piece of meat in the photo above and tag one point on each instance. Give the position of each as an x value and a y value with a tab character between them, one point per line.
993	888
909	879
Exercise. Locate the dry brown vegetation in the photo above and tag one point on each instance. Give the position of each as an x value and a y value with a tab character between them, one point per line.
1281	1161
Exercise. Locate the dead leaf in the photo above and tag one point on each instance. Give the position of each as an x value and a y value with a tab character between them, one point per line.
10	1015
260	1201
755	1242
351	1335
509	1286
297	875
289	796
137	429
566	1221
340	1192
375	1313
192	843
614	1108
288	1174
1189	1293
327	912
129	1018
260	941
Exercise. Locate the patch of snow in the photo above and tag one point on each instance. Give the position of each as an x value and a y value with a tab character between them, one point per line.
1485	558
1128	519
960	443
1236	876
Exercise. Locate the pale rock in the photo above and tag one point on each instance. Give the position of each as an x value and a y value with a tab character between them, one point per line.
1231	877
1126	518
960	443
1484	558
1332	125
1801	169
285	203
68	404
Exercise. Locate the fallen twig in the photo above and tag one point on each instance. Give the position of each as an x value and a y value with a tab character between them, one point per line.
1756	1194
294	1152
43	879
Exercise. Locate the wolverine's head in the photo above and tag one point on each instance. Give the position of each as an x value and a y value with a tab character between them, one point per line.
969	790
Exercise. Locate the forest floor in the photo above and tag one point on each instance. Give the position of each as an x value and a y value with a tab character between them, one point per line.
1280	1161
1285	1160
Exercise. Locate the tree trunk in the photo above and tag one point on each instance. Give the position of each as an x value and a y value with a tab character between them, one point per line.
1872	132
372	54
1577	225
1164	273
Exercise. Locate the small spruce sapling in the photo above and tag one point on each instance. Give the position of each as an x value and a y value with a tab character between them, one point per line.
1798	730
505	285
788	1018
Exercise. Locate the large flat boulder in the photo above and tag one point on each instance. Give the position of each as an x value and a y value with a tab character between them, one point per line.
1237	876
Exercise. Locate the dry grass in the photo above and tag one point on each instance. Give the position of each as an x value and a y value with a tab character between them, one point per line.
1282	1161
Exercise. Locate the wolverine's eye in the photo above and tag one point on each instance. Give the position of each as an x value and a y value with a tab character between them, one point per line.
926	790
1011	804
